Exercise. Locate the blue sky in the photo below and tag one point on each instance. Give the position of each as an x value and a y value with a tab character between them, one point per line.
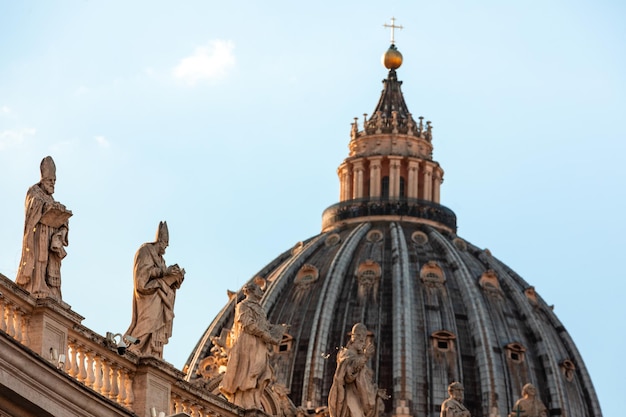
229	119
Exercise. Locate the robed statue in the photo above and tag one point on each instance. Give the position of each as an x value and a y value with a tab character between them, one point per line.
453	406
248	371
353	392
45	237
529	405
155	286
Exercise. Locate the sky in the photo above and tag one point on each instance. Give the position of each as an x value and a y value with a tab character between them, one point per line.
229	119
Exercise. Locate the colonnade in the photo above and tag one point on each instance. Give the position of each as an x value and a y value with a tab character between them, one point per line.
407	177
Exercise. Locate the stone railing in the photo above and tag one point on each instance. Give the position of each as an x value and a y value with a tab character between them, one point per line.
15	310
142	385
92	361
407	209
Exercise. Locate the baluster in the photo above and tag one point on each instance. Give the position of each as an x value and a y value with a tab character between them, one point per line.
176	404
130	397
106	376
3	309
24	325
121	398
115	389
10	322
75	370
89	360
97	364
68	365
17	317
82	370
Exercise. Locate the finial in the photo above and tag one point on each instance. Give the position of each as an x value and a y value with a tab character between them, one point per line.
392	26
392	59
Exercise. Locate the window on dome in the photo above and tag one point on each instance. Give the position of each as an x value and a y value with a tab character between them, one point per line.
515	352
368	277
285	345
431	274
443	340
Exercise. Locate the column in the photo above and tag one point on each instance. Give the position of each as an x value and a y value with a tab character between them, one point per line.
437	180
345	189
394	176
413	180
375	178
357	179
428	182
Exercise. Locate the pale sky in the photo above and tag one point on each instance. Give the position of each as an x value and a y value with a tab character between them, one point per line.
229	119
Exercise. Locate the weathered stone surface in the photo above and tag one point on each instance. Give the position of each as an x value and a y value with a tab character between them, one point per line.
155	286
248	371
45	237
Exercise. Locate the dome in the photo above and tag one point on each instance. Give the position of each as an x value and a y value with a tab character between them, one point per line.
438	308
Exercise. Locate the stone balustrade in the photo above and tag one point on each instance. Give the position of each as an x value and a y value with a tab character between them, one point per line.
15	312
50	329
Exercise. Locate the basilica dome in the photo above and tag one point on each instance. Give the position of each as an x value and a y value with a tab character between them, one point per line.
437	307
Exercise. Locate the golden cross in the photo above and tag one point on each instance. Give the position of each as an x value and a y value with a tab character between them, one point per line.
392	26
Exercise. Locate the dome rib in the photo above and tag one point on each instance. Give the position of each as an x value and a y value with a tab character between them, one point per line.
544	345
402	316
479	325
327	302
280	280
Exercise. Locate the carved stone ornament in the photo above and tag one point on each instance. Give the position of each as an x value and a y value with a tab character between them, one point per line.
368	276
374	236
420	238
332	239
431	274
305	278
488	281
531	295
568	369
215	363
297	248
460	244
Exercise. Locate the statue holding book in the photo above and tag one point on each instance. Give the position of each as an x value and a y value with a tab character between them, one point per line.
155	286
45	237
249	371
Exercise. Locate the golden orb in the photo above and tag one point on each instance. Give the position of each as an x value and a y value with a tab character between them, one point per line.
392	59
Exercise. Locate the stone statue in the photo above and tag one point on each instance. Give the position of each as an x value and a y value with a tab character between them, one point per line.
249	372
45	236
155	286
529	405
353	392
453	406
